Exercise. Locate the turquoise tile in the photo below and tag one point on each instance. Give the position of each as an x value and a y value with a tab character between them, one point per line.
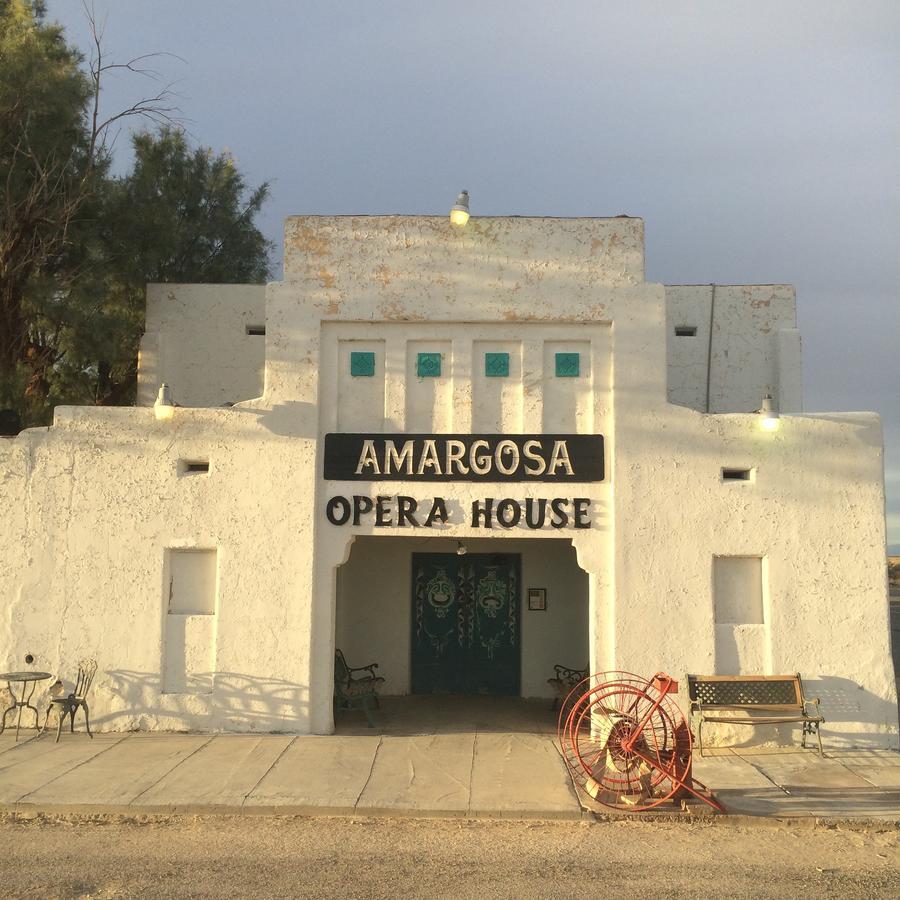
428	365
496	365
568	365
362	364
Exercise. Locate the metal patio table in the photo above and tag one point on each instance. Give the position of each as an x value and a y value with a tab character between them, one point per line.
23	701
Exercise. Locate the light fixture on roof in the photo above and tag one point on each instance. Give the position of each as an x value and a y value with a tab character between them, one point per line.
164	407
459	212
768	414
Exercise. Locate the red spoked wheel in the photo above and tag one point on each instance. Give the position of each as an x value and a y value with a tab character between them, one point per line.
625	740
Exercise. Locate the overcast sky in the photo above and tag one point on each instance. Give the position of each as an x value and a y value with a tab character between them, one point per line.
758	140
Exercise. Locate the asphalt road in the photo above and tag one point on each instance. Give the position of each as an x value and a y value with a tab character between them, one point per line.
330	857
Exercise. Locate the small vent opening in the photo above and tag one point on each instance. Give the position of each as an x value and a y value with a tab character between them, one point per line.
193	466
258	330
737	474
685	331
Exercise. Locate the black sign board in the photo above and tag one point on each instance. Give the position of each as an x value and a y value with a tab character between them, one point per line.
556	458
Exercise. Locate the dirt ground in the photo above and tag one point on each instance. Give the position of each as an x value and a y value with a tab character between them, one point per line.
332	857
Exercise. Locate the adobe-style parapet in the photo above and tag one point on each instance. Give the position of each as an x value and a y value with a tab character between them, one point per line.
511	255
725	346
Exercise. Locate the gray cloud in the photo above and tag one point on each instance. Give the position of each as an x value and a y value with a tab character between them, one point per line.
757	140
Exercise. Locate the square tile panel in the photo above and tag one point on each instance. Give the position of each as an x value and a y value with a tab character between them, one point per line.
428	365
568	365
496	365
362	363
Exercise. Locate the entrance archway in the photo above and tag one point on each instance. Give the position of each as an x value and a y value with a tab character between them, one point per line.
438	622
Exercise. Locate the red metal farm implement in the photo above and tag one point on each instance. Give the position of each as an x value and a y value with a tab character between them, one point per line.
627	743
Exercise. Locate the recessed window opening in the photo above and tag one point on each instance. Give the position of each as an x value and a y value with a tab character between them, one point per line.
256	330
738	590
193	466
734	474
685	331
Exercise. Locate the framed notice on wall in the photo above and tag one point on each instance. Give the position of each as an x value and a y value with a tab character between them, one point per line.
537	599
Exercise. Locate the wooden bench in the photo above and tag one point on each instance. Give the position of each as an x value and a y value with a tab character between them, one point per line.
735	697
563	680
352	689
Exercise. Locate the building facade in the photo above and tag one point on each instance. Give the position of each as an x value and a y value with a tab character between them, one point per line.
466	453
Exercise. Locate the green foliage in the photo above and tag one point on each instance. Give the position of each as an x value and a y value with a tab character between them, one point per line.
77	247
46	171
43	94
182	215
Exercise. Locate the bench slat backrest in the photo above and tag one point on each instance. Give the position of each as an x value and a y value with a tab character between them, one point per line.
341	670
761	691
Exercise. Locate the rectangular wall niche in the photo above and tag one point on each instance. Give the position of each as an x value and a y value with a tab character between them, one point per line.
737	582
741	635
189	640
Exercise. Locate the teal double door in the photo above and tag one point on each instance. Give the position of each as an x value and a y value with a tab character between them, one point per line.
466	637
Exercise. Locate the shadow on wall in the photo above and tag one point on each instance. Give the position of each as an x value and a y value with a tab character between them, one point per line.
238	703
842	701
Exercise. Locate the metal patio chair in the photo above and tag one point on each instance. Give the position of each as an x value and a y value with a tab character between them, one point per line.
562	682
77	699
352	689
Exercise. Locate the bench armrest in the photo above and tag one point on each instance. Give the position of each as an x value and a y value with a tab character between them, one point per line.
812	701
369	668
564	673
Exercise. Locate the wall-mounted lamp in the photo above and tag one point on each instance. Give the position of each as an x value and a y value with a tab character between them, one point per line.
459	212
164	407
768	414
461	549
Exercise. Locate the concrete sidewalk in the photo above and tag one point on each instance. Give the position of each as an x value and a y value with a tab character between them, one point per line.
796	783
464	774
432	757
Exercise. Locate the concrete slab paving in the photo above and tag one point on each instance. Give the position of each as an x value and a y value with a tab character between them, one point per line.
219	776
739	786
316	774
805	770
25	772
815	787
880	776
521	774
448	757
448	714
30	749
853	758
847	803
730	771
8	739
421	775
121	774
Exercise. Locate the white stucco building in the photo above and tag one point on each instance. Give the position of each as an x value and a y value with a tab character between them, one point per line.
513	389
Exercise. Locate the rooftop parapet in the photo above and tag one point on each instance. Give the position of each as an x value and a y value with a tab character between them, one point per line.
345	253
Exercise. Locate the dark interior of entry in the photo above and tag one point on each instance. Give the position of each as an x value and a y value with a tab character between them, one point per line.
466	634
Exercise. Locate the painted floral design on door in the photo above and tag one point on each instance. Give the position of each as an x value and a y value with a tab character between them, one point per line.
465	623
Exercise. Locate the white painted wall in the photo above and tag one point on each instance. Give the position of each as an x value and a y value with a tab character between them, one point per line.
195	339
374	606
754	349
94	502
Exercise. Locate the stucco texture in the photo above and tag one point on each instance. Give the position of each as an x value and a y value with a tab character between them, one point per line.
97	499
